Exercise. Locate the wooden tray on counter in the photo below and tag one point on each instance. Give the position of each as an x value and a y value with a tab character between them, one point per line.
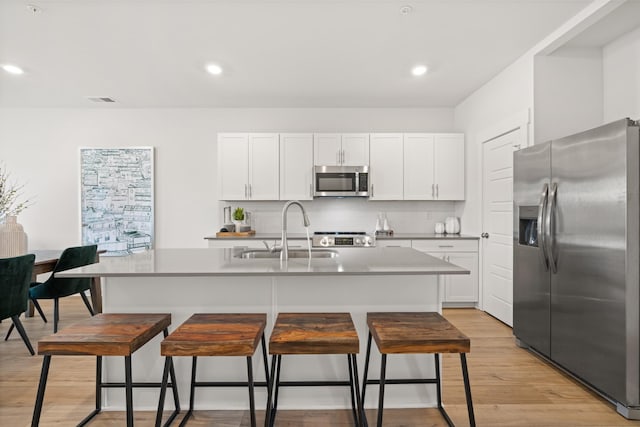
235	234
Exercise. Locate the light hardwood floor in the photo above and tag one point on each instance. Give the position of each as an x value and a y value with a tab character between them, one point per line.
510	386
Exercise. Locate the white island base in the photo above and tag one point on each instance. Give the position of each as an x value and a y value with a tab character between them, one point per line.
183	296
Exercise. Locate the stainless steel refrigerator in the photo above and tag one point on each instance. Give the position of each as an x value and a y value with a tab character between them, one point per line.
576	257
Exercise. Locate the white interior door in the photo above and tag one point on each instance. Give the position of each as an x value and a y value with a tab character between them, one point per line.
497	223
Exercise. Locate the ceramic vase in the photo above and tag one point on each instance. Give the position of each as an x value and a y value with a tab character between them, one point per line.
13	239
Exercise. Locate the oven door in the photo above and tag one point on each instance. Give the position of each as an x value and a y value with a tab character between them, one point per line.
337	181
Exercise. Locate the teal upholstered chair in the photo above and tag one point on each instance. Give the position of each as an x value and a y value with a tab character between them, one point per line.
15	275
55	288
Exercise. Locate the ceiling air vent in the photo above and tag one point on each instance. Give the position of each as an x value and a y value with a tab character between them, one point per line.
100	99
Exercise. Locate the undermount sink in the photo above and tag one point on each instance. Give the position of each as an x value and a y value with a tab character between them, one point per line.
293	253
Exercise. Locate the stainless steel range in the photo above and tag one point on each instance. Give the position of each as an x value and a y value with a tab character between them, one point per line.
342	239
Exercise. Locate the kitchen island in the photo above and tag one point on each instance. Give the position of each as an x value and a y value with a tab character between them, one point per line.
187	281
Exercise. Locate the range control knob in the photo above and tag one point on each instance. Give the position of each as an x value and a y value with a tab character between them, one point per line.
358	242
324	241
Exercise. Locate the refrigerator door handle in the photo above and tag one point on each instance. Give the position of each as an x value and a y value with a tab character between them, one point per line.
550	226
542	208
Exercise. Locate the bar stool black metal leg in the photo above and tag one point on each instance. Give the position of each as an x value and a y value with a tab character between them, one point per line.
128	390
98	384
366	368
192	393
174	389
252	404
383	372
264	359
436	358
361	416
277	387
270	384
163	391
37	410
353	393
98	408
467	389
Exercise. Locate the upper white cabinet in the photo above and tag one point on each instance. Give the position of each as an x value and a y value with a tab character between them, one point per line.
433	166
248	166
296	166
449	166
419	181
409	166
386	166
335	149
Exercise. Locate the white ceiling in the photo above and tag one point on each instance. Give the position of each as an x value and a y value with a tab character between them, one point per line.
275	53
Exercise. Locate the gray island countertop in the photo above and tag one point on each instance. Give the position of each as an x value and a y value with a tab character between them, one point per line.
224	262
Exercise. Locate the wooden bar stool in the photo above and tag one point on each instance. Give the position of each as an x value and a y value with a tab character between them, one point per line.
313	333
416	333
223	334
104	335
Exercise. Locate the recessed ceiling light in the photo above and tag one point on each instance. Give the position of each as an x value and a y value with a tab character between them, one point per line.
419	70
12	69
214	69
407	9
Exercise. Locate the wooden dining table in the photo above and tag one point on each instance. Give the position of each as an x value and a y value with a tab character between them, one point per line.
45	262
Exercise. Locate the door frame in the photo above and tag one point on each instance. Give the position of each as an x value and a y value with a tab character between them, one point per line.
520	120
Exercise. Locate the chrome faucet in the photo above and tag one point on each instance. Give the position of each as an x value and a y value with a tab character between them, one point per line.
284	253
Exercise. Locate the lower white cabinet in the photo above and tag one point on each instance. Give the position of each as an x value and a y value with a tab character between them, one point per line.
393	243
463	253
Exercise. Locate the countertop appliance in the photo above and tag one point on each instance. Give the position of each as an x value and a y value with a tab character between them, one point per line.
341	181
577	256
342	239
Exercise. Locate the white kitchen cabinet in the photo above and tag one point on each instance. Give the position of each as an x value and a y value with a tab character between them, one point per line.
463	253
419	164
449	166
248	166
387	243
296	166
335	149
386	166
433	166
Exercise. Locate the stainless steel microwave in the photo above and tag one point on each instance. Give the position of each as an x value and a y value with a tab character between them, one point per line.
341	181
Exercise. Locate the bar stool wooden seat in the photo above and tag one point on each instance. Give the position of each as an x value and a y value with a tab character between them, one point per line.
318	334
416	333
105	335
220	334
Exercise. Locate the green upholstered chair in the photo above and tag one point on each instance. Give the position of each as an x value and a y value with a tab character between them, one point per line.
55	288
15	275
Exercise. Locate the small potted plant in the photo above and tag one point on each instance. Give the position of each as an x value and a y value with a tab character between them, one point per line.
238	217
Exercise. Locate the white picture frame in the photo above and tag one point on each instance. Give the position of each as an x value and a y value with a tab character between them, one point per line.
117	199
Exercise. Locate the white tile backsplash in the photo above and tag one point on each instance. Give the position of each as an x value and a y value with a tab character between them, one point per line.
347	214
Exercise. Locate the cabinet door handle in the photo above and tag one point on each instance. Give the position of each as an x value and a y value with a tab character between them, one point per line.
437	192
433	191
445	246
371	190
338	157
310	190
250	191
343	156
245	191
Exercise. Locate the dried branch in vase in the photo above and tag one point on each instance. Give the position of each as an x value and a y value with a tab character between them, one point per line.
12	200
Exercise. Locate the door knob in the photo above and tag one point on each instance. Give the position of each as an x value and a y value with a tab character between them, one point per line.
485	235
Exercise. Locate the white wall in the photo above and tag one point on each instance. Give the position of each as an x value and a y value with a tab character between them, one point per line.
621	75
508	94
40	148
568	93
